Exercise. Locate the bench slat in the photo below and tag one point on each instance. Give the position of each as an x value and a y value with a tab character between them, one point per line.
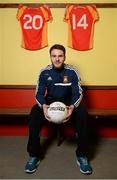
14	111
102	112
26	111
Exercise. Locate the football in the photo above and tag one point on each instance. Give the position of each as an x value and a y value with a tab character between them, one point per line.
57	112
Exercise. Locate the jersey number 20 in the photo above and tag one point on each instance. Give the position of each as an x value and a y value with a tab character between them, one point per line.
30	22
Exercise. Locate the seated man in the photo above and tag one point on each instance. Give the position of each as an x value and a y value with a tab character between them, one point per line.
61	82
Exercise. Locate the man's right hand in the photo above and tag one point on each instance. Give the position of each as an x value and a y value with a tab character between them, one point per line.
45	111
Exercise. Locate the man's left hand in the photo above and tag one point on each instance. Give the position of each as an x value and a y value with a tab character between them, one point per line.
69	112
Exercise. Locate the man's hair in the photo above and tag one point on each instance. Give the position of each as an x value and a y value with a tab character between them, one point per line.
58	46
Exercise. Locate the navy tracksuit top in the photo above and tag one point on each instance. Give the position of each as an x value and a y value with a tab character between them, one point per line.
59	85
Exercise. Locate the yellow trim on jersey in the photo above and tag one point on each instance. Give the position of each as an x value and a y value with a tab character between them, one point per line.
66	19
20	12
95	16
93	12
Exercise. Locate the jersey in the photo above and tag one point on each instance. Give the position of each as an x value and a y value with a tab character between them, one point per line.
33	23
59	85
81	20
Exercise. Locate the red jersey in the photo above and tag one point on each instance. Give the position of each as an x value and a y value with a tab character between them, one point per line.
81	20
33	23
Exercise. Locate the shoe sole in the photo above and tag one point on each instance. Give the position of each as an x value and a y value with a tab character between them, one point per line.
84	172
28	171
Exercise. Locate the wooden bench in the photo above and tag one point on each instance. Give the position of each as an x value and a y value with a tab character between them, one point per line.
17	100
25	112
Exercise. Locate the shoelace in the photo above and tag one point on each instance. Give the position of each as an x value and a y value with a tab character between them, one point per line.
31	160
84	161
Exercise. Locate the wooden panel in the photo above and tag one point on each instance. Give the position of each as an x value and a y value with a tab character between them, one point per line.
16	97
58	5
34	86
101	98
17	87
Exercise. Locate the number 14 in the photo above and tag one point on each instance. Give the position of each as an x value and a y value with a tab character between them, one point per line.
81	23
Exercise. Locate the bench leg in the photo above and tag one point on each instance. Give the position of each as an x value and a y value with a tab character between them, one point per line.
60	137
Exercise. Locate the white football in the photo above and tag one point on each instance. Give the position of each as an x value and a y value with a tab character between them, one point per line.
57	112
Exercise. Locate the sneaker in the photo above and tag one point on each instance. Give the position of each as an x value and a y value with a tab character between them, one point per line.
84	165
32	164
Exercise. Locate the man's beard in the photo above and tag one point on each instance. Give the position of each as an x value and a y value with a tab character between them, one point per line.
60	67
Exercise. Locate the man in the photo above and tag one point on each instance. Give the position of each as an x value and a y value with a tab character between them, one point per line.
58	82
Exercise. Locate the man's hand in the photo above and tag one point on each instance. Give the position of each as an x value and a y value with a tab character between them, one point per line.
69	112
45	110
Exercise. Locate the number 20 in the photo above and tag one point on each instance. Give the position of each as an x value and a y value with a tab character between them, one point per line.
81	23
30	19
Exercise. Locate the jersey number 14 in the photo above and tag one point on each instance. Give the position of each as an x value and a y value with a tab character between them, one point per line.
81	23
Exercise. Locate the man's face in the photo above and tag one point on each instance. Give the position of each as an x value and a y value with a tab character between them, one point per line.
57	58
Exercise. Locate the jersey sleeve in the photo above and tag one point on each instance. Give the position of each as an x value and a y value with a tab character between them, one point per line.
20	11
94	12
76	89
67	12
41	90
47	13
